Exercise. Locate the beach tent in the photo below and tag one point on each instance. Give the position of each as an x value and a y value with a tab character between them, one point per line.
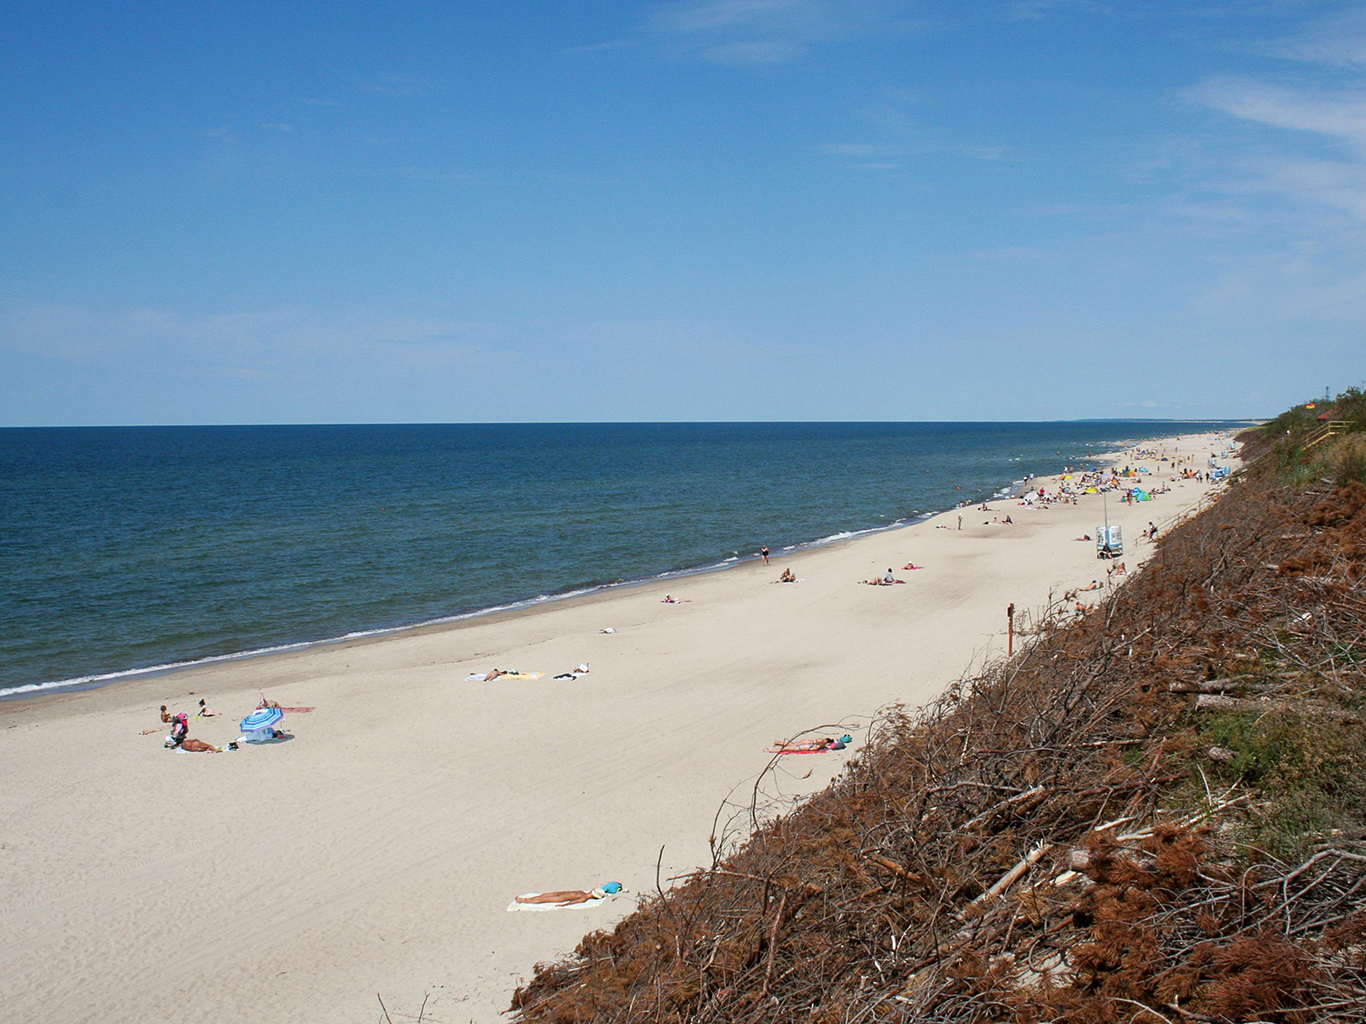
259	726
1091	490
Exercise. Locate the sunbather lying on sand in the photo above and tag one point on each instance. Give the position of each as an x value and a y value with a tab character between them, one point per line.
670	599
828	743
564	897
568	897
1095	585
574	673
200	747
911	565
884	581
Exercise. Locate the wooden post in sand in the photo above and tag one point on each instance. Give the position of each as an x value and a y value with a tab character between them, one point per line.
1010	629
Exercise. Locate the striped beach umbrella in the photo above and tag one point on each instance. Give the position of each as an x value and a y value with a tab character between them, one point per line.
261	718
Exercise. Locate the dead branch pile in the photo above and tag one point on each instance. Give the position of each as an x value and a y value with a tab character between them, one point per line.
1056	839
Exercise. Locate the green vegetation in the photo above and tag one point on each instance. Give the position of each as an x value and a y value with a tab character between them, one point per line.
1309	772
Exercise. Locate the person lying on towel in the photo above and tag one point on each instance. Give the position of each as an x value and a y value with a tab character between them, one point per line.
568	897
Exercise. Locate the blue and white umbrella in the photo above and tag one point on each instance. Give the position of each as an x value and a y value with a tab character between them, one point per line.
261	718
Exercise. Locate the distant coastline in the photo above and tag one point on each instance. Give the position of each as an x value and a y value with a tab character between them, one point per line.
514	604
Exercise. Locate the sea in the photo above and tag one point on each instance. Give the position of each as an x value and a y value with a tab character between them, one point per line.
129	550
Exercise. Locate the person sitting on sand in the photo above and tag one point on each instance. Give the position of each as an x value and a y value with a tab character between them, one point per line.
265	703
889	579
669	599
180	731
787	577
1008	521
1120	570
1080	608
205	711
165	718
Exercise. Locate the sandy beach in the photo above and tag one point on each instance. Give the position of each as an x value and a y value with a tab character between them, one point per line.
377	850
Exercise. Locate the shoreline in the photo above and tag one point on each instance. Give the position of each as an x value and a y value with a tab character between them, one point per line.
25	692
412	804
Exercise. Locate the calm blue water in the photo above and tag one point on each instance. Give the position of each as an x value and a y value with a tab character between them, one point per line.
126	548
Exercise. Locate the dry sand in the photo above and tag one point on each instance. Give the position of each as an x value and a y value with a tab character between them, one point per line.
376	852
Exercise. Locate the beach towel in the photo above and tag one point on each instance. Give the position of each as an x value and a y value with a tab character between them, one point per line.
478	677
516	908
298	711
778	750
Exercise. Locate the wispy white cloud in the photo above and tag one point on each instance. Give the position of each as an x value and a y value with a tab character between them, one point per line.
759	32
260	339
606	46
1034	10
1339	39
857	149
397	85
1014	253
1339	114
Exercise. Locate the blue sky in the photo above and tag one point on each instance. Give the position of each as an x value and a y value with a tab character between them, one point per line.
706	209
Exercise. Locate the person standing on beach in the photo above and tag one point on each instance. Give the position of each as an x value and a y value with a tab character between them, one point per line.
763	553
960	520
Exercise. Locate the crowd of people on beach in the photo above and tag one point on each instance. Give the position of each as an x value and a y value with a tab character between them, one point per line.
179	738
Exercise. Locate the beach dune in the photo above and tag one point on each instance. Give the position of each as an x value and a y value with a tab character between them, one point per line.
377	850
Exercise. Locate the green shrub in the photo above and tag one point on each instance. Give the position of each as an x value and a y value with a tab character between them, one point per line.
1309	774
